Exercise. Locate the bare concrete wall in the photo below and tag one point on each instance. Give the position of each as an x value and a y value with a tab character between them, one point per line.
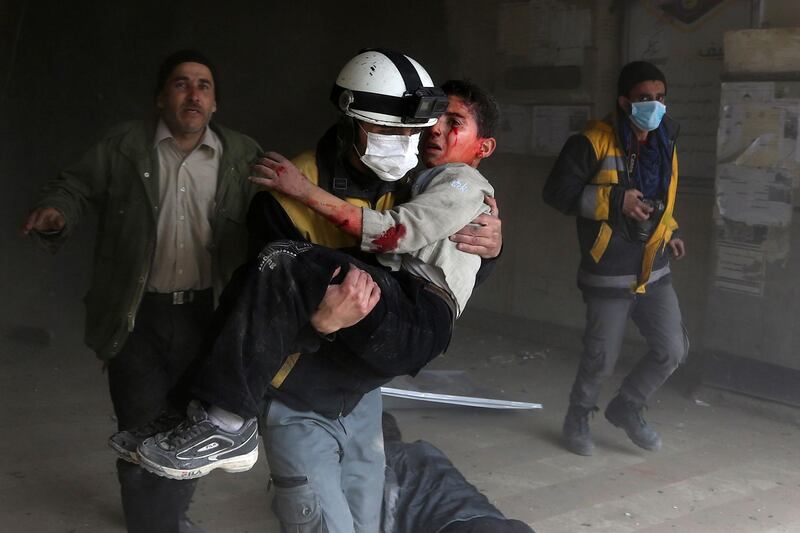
780	14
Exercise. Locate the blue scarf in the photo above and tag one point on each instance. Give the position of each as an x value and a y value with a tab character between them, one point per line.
653	168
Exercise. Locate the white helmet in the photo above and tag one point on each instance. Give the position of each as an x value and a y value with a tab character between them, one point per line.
388	88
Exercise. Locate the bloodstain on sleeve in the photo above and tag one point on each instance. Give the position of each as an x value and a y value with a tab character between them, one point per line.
388	240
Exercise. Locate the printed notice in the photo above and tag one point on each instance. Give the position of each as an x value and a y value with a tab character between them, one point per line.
740	268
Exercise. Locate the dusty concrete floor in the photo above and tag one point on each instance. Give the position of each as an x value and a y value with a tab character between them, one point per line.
722	469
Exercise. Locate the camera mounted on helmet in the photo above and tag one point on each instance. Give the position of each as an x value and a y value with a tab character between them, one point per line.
427	103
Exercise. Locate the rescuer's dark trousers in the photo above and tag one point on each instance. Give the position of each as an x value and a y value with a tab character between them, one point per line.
657	316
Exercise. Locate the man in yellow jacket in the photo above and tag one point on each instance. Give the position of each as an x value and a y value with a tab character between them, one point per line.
619	178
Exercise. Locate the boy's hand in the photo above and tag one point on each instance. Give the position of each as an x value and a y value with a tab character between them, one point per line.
347	303
274	172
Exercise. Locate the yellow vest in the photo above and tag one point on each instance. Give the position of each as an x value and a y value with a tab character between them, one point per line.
315	227
611	160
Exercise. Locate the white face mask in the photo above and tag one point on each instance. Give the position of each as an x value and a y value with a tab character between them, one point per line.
390	156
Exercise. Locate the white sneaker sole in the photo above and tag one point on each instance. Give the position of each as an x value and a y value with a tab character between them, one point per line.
240	463
122	453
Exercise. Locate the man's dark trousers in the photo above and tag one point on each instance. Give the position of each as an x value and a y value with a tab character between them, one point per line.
147	378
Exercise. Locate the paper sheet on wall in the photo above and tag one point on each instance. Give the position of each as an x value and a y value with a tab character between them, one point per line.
766	114
740	102
757	181
740	268
754	196
757	171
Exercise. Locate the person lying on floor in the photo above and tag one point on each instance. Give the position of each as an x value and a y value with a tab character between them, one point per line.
268	314
424	491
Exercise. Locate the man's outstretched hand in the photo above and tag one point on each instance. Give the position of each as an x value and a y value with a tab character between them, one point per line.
44	219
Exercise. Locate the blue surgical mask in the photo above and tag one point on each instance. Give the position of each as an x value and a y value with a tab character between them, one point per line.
647	115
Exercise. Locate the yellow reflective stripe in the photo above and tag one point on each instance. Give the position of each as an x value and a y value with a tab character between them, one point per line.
609	156
601	242
284	370
612	162
603	200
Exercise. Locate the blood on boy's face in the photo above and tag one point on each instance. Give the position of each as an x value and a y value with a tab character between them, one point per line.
454	138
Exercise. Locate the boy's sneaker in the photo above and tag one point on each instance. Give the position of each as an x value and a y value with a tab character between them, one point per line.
627	415
197	446
125	442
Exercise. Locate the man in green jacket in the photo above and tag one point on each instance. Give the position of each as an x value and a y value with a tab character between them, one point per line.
171	195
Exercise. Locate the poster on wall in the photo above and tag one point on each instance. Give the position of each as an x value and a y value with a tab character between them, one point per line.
740	268
539	130
758	171
684	39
